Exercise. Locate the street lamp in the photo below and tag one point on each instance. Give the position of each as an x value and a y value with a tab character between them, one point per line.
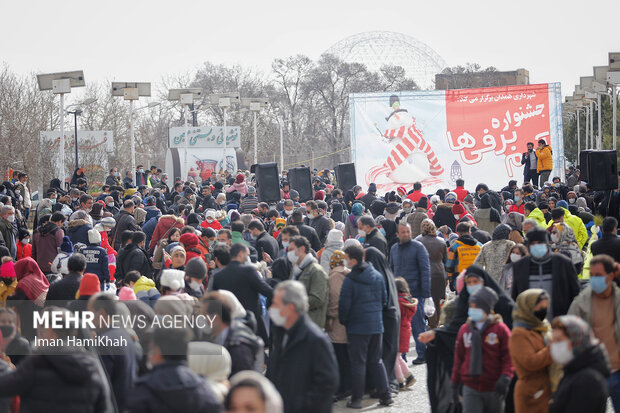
131	91
186	97
613	77
255	105
61	83
224	101
77	112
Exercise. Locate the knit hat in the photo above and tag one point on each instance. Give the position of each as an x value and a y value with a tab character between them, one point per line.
337	259
423	203
372	187
476	271
339	226
175	249
334	235
458	208
468	199
451	197
351	242
240	178
357	209
108	222
210	214
537	235
196	268
22	233
502	231
7	270
189	240
173	279
89	285
126	294
562	204
280	223
485	299
251	190
435	199
94	237
401	191
67	245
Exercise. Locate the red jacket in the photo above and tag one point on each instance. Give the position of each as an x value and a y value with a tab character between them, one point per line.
407	311
461	193
165	223
516	208
471	219
23	251
215	224
495	356
415	196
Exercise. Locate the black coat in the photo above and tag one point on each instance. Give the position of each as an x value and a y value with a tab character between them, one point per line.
584	386
208	203
124	222
322	226
444	216
245	348
564	281
368	199
63	290
377	240
170	388
267	243
64	382
134	258
310	234
305	371
608	244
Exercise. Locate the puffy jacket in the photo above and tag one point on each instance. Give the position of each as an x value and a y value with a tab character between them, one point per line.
314	278
538	215
577	225
496	359
124	222
407	311
544	159
77	231
165	223
45	243
411	261
322	226
134	258
461	255
97	262
362	299
493	255
377	240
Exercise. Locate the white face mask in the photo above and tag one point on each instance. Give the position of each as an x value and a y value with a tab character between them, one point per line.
287	212
11	218
347	264
26	241
195	285
285	244
515	257
276	317
111	204
571	200
361	232
560	353
292	256
310	216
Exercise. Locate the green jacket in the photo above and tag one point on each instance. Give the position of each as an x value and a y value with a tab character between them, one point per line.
8	234
538	215
314	278
582	307
238	237
577	225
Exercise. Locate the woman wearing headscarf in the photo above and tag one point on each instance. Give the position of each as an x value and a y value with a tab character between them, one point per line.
586	367
338	214
239	185
563	241
443	215
391	312
515	221
529	349
441	341
260	396
390	232
437	254
350	226
77	174
30	293
493	254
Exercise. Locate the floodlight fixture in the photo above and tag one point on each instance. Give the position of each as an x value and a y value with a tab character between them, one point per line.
586	82
224	100
614	61
255	105
176	94
600	73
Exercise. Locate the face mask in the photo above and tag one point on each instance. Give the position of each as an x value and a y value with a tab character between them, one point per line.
111	204
276	317
538	250
53	201
476	314
195	285
571	200
541	314
472	289
407	210
347	264
285	244
7	331
560	353
248	261
557	185
598	283
517	198
361	233
555	237
254	237
11	218
382	231
26	241
17	192
292	257
514	257
287	212
141	171
88	210
310	216
456	216
115	173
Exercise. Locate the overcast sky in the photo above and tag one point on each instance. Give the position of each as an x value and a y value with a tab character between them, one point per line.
144	40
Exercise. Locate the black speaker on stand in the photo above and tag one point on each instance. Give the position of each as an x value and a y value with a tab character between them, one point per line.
584	164
602	170
300	180
345	175
267	182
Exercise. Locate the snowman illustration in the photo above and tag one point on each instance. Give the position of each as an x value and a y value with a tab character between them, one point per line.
411	158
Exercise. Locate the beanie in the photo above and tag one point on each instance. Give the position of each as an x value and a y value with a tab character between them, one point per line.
94	237
173	279
89	285
334	236
372	187
423	203
196	268
126	294
562	204
108	222
67	245
458	208
22	233
401	191
537	235
502	231
435	199
485	299
469	199
189	240
450	197
7	270
251	190
293	194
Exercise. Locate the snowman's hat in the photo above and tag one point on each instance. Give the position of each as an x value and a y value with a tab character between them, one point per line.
394	99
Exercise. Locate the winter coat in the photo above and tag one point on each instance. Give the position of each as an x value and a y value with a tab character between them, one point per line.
77	231
487	219
310	234
609	244
564	281
23	250
544	159
245	348
444	216
350	227
124	222
97	262
461	193
415	221
584	385
582	307
410	261
407	311
242	188
315	279
7	232
61	380
495	355
577	225
493	256
171	387
134	258
165	223
59	263
531	359
377	240
538	215
338	332
461	254
64	290
322	226
368	199
327	253
151	212
305	371
362	299
45	243
437	255
267	243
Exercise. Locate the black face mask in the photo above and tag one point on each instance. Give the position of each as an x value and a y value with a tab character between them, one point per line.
529	150
7	330
541	314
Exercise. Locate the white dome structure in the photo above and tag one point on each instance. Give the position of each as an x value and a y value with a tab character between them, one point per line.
379	48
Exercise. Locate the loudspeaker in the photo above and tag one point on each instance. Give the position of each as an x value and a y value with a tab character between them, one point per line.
300	180
345	176
603	170
584	165
267	182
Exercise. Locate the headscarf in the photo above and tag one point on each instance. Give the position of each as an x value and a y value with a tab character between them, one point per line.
31	281
377	259
578	332
273	400
429	228
337	259
523	314
390	230
515	221
582	203
319	195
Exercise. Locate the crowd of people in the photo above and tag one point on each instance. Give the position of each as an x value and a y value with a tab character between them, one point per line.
509	296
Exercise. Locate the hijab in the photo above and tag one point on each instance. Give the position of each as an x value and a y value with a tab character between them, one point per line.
523	314
377	259
31	281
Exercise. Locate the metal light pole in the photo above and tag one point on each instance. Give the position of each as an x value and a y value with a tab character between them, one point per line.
592	124
614	98
132	139
225	133
282	145
62	139
255	141
599	137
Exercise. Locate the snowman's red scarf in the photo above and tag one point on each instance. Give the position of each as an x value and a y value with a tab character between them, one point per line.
411	139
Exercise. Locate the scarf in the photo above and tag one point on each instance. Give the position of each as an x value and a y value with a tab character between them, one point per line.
31	280
298	269
475	361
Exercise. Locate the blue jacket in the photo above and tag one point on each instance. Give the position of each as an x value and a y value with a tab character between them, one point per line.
77	230
411	262
97	262
149	227
362	300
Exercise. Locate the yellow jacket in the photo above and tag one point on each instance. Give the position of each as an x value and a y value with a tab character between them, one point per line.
538	215
544	159
577	225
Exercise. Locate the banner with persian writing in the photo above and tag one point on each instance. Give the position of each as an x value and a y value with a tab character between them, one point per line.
437	137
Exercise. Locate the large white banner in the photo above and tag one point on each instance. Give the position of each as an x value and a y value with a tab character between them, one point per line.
204	137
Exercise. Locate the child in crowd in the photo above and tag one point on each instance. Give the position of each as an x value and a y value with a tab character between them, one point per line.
408	307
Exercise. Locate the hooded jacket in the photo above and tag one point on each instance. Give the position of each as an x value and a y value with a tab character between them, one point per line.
415	221
45	243
544	159
77	231
487	216
461	255
97	262
165	223
538	215
329	249
444	216
314	278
